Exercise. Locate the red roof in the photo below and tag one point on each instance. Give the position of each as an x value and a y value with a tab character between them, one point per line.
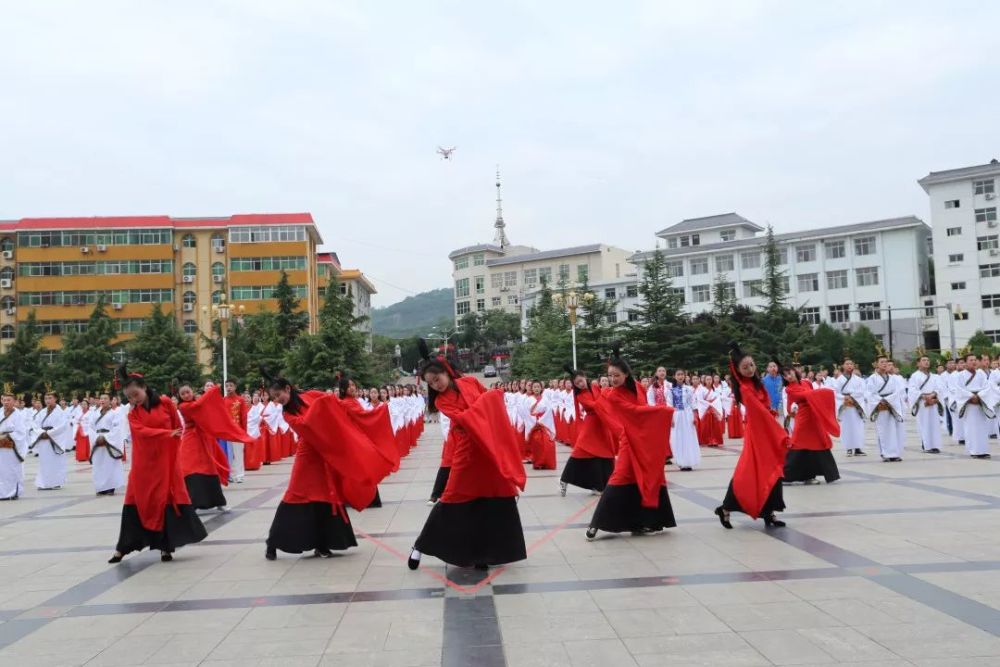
160	221
328	258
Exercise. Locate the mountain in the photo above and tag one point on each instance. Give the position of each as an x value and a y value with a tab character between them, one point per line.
414	315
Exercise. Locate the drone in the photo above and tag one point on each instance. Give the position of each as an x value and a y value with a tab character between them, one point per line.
445	153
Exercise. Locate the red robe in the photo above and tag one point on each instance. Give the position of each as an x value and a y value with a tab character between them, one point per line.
734	422
486	460
541	444
378	427
82	441
762	461
593	437
643	441
155	480
816	418
206	421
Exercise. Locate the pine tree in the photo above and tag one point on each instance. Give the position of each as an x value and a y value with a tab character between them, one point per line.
829	346
547	346
862	347
657	336
291	321
723	296
87	359
595	332
981	344
163	353
22	363
773	286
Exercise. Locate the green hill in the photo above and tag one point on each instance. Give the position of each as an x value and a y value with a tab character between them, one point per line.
414	315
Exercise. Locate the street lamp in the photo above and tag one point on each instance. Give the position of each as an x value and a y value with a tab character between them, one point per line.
572	301
222	311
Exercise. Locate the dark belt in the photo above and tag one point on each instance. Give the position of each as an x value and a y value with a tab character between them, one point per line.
48	428
113	451
103	430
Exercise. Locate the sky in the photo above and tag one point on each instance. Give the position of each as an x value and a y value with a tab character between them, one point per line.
609	121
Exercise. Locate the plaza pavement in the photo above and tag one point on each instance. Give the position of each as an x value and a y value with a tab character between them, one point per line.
896	564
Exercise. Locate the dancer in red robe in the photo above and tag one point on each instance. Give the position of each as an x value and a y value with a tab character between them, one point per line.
635	499
476	522
592	460
335	465
376	423
157	512
540	437
755	488
815	421
82	440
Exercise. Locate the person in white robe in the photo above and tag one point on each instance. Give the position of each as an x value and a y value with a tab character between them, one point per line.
884	397
994	378
957	427
683	436
107	448
51	438
976	400
13	448
926	404
849	391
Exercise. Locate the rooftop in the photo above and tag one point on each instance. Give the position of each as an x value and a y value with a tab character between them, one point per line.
988	169
355	274
710	222
479	247
547	254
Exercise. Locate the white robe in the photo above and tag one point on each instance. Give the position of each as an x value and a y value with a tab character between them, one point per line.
12	460
920	388
851	417
108	469
957	427
976	418
683	437
892	390
52	460
253	420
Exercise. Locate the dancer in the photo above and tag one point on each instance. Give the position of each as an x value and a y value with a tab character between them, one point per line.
51	437
683	434
815	421
237	409
709	404
203	463
540	428
975	398
635	499
924	390
476	522
104	429
850	393
375	423
13	447
157	511
592	460
885	403
755	488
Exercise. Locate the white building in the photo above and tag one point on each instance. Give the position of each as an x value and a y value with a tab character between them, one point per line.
844	275
963	206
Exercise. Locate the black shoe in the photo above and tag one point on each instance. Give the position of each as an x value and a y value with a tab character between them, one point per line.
961	442
858	452
811	481
771	522
895	459
591	533
669	461
850	452
935	451
723	519
413	562
117	558
322	553
687	469
271	553
166	556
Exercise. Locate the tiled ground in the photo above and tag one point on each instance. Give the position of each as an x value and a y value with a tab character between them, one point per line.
896	564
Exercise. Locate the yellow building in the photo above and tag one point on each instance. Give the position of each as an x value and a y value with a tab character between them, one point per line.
59	266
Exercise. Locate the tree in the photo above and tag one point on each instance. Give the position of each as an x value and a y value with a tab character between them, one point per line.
163	353
981	344
862	347
657	336
597	329
723	296
547	346
22	363
291	320
773	285
87	359
829	347
239	350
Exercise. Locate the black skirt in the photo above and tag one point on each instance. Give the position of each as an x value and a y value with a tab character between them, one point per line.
376	501
620	510
440	482
299	527
775	500
591	474
803	464
205	491
179	528
484	531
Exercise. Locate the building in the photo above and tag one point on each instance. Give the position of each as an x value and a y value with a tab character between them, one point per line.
963	205
844	275
499	275
59	267
353	282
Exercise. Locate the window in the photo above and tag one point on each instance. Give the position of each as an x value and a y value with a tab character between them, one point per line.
805	253
6	302
7	332
991	300
701	293
961	316
496	280
530	277
190	327
190	297
512	300
79	238
81	298
462	308
510	279
835	249
480	284
582	273
986	214
836	279
674	269
677	293
750	259
495	302
189	269
564	273
952	203
810	315
612	317
782	256
218	269
727	235
984	187
957	258
545	275
728	289
478	259
752	288
461	288
217	296
189	241
633	316
692	240
609	293
266	234
954	231
632	291
958	286
864	245
218	242
989	270
480	305
808	282
929	311
699	266
6	243
270	264
461	263
840	313
870	311
786	284
723	263
672	242
867	276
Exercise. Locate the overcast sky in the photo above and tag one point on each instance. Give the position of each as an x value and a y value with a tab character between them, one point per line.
609	120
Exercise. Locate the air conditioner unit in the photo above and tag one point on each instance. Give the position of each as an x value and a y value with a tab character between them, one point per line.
187	279
8	254
217	279
102	248
188	307
996	311
84	250
994	252
6	283
11	311
220	249
991	195
176	248
117	306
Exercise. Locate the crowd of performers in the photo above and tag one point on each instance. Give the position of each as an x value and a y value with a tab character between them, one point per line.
186	448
